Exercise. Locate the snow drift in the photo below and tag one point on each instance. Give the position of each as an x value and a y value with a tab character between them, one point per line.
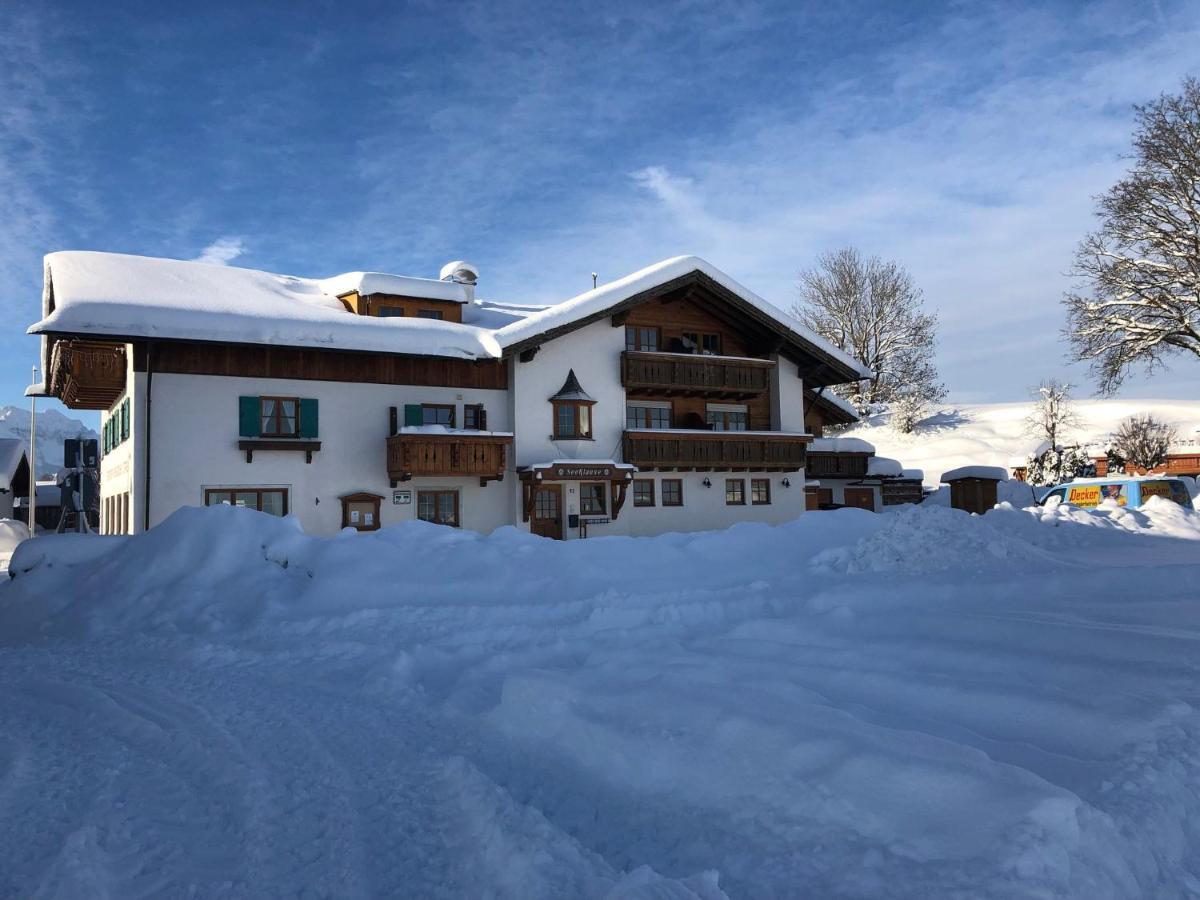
919	704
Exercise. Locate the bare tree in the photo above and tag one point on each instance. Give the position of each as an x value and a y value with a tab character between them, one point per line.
1143	264
871	309
1053	412
1143	442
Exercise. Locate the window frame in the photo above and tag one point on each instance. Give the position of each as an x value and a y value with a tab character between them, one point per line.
738	494
643	482
432	314
387	311
603	497
716	336
723	411
576	405
275	417
251	489
645	407
437	406
634	335
674	482
436	493
477	409
755	484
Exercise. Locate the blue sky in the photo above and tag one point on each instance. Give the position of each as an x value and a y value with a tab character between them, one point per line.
545	142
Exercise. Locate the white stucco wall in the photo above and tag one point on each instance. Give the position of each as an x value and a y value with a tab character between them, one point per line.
195	438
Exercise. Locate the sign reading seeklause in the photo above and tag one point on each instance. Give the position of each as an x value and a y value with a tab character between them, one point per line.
572	472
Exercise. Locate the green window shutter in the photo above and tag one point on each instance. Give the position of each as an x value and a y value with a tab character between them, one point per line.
125	419
104	436
249	424
413	414
308	418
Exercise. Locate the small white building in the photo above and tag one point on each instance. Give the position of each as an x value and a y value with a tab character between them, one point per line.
672	399
14	475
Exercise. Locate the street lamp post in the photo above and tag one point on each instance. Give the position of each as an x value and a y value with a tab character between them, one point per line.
33	459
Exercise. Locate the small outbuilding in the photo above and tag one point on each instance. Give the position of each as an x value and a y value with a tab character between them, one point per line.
14	475
974	488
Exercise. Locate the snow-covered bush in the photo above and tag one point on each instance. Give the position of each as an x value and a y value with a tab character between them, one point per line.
1058	464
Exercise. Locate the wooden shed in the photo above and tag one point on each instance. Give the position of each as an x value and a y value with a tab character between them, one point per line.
974	488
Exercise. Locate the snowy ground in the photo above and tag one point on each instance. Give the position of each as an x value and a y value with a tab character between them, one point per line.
913	705
994	434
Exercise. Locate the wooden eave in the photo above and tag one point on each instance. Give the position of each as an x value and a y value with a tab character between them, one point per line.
831	413
819	368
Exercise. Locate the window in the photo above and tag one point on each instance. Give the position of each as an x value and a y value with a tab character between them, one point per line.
735	492
429	313
641	337
572	420
437	414
438	507
727	418
592	499
672	492
361	511
390	312
474	418
711	343
273	501
643	492
760	491
279	416
639	416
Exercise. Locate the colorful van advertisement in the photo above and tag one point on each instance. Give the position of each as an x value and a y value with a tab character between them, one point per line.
1133	492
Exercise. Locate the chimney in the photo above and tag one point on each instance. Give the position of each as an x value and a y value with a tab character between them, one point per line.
461	272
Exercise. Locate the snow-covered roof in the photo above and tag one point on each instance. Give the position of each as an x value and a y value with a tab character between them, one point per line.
460	432
596	301
366	283
884	466
137	296
993	473
839	402
840	445
12	451
918	474
125	296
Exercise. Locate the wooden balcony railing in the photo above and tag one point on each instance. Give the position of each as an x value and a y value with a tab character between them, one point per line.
411	455
837	465
716	450
687	373
87	374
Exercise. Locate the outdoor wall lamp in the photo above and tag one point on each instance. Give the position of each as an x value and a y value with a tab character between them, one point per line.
707	482
787	482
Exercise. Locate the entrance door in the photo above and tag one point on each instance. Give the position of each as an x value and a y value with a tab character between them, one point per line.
547	511
861	498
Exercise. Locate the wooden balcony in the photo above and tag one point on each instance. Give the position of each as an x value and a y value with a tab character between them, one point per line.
87	374
667	374
421	454
837	465
716	450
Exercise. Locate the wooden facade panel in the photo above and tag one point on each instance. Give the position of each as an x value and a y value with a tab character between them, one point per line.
261	361
695	373
673	315
715	450
840	465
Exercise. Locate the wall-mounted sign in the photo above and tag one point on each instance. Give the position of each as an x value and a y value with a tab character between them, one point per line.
569	472
401	498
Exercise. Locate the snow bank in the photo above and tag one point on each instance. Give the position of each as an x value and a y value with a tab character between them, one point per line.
227	706
12	533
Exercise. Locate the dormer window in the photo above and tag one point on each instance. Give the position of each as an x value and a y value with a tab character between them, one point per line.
572	411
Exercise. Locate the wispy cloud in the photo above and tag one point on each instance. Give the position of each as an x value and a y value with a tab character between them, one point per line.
222	251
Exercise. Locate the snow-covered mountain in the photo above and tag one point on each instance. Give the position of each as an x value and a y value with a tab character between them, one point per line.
52	429
993	434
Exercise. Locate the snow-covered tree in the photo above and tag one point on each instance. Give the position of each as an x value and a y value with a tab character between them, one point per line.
1143	442
1053	412
1142	266
1058	464
872	309
906	411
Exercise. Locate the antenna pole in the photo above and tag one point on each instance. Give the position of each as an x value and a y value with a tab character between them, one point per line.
593	281
33	459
